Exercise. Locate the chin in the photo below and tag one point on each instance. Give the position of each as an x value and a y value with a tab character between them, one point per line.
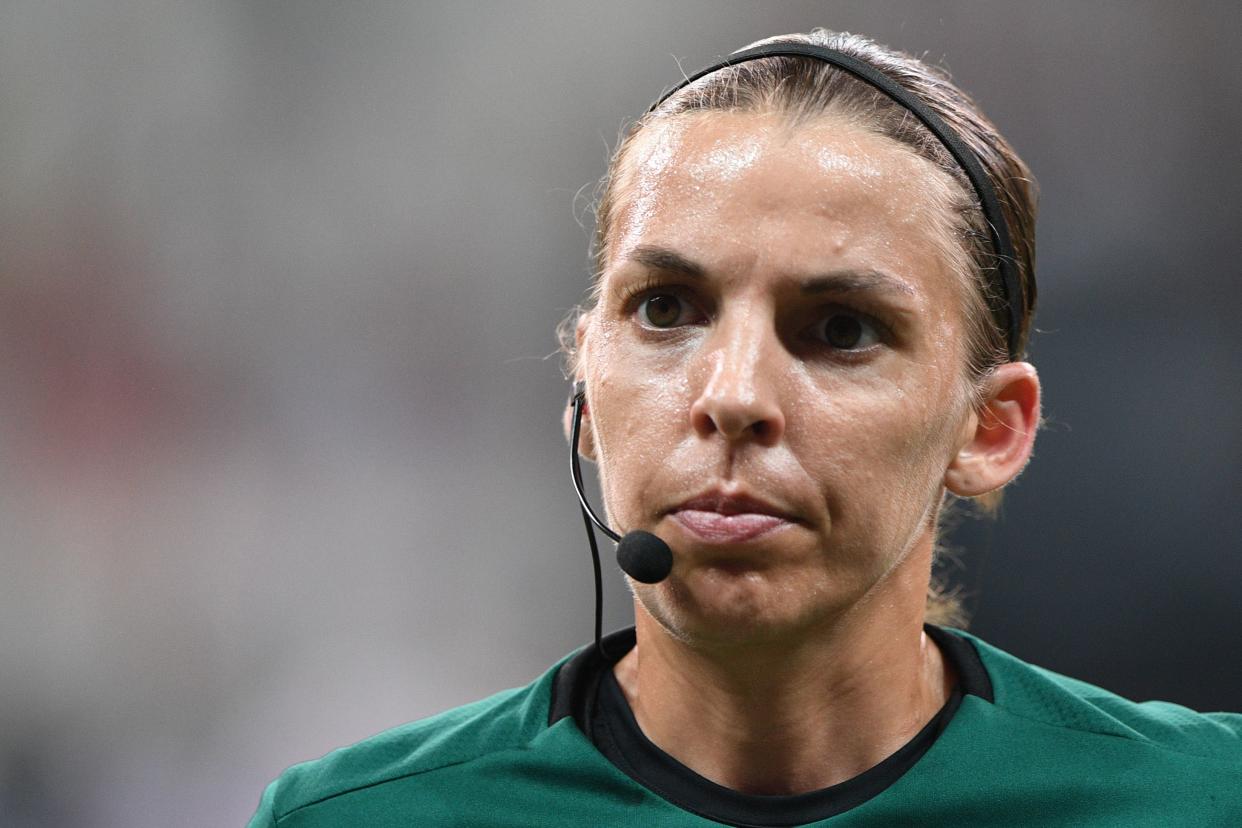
727	605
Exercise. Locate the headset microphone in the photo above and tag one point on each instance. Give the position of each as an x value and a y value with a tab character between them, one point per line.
644	557
641	555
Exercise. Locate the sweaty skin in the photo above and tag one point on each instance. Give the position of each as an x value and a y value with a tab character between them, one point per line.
788	655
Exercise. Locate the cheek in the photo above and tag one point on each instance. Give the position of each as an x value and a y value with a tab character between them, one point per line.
641	401
638	389
877	449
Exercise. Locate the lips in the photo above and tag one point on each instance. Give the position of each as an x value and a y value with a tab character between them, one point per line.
715	517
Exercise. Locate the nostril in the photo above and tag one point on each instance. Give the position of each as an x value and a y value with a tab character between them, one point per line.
761	428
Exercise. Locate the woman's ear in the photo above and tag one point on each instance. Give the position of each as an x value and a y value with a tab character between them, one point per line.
998	436
586	438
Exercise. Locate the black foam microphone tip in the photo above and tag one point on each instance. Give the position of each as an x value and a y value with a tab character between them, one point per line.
644	557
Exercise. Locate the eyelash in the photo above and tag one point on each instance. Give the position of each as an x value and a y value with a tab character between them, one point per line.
633	296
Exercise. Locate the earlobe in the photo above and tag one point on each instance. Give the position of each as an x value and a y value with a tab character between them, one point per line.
1000	435
586	437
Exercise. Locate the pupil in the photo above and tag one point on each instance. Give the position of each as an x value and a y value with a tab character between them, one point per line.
662	311
843	331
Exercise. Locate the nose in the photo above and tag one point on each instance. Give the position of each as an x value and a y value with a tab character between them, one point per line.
739	398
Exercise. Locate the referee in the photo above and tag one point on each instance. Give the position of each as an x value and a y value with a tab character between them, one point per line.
814	287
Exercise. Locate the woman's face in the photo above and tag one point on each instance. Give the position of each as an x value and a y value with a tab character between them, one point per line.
775	369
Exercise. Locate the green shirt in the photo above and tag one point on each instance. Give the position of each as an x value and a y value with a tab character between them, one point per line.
1015	745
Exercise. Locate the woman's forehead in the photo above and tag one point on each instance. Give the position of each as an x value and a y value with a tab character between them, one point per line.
750	183
724	145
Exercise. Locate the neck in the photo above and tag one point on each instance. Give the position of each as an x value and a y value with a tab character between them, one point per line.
795	715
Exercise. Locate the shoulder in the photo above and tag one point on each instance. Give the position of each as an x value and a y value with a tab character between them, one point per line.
506	721
1039	695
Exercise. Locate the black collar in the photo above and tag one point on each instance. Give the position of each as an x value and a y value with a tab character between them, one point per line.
586	690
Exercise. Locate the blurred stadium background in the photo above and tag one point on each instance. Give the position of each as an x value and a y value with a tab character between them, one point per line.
280	460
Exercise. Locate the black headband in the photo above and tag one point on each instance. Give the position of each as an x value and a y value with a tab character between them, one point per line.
1010	308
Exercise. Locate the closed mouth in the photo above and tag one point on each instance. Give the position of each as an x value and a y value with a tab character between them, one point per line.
728	505
715	517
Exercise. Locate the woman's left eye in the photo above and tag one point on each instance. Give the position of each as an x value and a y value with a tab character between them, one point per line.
665	310
847	331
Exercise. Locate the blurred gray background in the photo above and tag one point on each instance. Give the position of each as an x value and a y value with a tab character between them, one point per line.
279	440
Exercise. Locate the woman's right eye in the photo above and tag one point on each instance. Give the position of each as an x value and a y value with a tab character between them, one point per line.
665	310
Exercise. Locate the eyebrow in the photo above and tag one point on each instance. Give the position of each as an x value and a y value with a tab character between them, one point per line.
661	258
856	281
833	281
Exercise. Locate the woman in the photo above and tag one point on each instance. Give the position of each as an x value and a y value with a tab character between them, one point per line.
814	287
